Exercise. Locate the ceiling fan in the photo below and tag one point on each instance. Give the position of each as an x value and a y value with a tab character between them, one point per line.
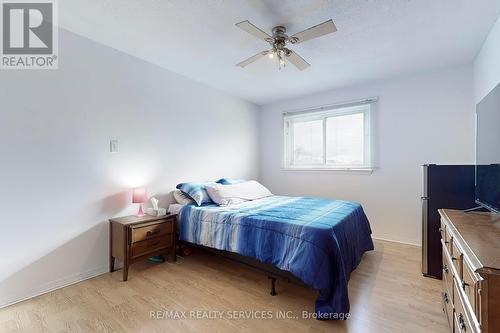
280	39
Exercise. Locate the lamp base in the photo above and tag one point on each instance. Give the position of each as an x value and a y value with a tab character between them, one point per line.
140	213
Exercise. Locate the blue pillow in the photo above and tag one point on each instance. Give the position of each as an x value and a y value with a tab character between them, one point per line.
196	191
230	181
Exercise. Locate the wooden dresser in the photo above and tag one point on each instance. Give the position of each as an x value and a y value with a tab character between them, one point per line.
133	238
471	271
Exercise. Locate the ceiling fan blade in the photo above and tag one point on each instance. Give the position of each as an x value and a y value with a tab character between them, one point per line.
297	61
252	59
314	32
253	30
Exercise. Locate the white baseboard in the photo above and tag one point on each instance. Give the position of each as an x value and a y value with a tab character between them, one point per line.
51	286
396	241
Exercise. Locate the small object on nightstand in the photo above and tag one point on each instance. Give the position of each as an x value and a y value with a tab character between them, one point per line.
134	238
139	196
156	210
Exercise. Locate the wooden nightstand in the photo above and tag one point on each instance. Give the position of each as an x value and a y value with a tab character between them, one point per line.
133	238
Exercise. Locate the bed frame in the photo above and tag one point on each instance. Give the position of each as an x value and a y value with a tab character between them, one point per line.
273	272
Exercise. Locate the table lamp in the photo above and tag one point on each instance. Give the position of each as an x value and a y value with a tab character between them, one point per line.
139	196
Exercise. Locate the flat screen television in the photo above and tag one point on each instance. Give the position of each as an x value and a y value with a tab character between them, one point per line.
488	151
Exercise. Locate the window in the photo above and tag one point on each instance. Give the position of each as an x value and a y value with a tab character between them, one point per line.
337	138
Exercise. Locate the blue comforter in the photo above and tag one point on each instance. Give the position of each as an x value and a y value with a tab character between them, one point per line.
320	241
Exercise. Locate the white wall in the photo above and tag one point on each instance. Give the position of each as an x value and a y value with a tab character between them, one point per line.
60	183
427	118
487	64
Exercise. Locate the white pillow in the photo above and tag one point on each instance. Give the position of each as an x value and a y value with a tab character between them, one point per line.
182	198
175	208
224	195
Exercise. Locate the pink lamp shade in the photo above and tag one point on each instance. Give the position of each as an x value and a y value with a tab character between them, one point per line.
139	196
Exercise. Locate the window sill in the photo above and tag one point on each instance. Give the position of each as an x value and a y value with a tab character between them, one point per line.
338	170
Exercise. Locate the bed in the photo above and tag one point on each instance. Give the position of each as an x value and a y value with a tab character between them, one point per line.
317	240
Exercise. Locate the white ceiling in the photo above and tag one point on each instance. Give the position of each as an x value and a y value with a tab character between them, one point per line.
375	38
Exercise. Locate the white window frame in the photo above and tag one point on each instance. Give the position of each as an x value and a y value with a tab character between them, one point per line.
322	113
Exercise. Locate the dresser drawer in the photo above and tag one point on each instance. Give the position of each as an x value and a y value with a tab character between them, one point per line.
457	258
446	299
150	245
447	273
446	236
442	230
463	323
470	286
150	231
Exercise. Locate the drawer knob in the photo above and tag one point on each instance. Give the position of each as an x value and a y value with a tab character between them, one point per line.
445	298
464	284
446	242
153	232
461	322
445	268
453	258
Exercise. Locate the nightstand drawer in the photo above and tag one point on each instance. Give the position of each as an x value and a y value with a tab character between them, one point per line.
151	245
151	231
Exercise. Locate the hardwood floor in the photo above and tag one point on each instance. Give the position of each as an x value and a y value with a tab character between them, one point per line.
387	293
